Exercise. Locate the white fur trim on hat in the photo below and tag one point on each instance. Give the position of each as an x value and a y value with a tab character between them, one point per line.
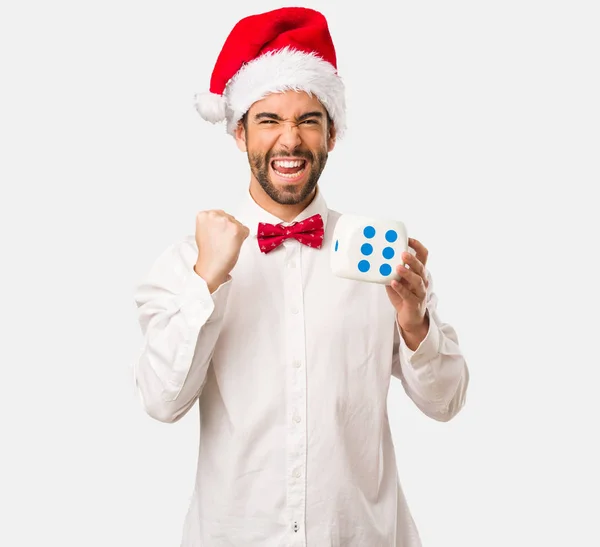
283	70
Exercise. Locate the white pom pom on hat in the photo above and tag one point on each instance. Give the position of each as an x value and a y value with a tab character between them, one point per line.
212	107
287	48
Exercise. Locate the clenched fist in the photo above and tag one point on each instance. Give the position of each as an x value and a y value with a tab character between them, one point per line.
219	237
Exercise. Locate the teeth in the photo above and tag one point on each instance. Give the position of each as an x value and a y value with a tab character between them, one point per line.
288	164
284	163
290	175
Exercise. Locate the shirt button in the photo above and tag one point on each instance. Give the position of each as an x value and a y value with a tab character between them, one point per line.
294	310
297	419
297	473
297	363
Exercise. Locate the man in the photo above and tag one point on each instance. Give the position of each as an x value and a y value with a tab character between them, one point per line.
290	364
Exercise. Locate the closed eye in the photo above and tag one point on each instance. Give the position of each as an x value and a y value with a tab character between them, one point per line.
303	121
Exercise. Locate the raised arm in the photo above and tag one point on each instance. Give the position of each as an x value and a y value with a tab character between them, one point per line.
181	305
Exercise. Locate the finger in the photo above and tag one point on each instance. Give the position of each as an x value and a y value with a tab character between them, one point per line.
416	284
403	291
415	264
420	249
225	214
240	224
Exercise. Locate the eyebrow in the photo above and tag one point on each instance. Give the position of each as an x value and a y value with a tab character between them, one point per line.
273	116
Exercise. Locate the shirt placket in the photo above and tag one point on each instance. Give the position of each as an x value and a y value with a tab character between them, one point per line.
296	393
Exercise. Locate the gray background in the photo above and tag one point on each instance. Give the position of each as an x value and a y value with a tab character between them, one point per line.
476	123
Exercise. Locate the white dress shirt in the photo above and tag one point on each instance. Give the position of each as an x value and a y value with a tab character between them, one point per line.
291	368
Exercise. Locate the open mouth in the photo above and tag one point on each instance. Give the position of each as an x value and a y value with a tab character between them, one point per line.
290	170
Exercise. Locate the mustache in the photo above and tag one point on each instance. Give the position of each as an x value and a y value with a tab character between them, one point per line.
305	154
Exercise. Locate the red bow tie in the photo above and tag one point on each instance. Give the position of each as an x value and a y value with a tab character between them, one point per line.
308	232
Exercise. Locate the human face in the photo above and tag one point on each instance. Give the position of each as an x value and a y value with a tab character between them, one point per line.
287	138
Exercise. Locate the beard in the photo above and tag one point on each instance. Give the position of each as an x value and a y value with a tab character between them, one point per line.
288	194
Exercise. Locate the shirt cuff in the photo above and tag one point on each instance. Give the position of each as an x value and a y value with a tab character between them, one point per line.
197	298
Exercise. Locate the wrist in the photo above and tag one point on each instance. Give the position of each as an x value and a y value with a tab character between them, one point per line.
416	329
415	334
213	281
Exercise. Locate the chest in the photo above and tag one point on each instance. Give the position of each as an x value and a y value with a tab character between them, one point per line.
290	298
296	336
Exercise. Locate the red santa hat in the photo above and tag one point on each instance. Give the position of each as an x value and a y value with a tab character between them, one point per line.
283	49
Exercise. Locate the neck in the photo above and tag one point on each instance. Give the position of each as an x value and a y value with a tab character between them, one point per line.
285	212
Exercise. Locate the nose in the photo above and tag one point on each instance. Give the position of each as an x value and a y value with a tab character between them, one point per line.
290	136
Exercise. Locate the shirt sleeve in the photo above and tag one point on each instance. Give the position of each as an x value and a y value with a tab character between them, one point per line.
180	322
435	375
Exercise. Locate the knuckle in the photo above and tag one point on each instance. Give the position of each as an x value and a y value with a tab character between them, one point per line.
202	217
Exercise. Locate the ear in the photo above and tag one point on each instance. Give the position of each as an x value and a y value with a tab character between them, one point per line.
240	137
331	137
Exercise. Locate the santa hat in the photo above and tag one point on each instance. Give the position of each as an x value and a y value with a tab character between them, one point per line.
284	49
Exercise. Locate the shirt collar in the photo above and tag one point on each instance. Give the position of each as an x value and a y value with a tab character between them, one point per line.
250	213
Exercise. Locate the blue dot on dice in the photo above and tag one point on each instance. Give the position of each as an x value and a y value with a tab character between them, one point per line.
364	266
369	232
391	236
366	249
385	269
388	253
336	244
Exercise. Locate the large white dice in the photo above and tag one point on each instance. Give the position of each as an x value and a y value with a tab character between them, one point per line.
368	249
